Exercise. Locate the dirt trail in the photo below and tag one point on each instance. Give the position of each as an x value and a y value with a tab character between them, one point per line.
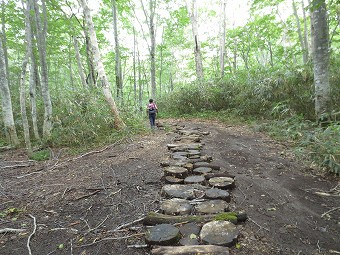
78	204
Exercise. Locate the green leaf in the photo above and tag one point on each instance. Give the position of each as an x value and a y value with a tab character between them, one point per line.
61	246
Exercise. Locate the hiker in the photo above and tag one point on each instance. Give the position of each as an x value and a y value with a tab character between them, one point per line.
151	111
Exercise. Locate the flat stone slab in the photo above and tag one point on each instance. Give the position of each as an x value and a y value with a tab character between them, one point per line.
206	164
190	228
212	207
195	179
179	155
176	171
217	194
163	234
189	191
222	233
189	240
202	170
173	180
176	206
190	250
222	182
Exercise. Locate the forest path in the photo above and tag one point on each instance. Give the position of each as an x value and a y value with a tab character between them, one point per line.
81	204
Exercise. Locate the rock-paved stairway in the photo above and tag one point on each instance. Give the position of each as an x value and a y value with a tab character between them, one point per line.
194	215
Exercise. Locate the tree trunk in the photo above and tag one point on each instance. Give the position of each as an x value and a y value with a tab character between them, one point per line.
79	64
22	82
305	37
134	69
34	77
321	60
23	107
161	65
4	41
118	67
5	93
41	36
197	49
303	47
91	78
222	36
118	123
153	48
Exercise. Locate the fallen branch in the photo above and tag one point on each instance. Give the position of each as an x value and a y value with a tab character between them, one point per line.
88	195
25	175
11	230
128	224
29	238
138	246
334	252
332	210
326	194
15	166
86	154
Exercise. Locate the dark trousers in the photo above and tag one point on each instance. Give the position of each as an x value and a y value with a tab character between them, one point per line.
152	118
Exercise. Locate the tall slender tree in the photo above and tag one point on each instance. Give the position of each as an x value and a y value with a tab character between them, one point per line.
222	36
4	39
5	93
118	66
99	67
41	26
150	19
192	10
320	44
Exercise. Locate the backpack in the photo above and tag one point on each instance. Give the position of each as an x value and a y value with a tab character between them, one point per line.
152	109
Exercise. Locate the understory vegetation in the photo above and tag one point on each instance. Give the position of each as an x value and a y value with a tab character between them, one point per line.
279	103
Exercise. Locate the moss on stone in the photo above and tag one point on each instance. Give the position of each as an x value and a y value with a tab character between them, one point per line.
227	216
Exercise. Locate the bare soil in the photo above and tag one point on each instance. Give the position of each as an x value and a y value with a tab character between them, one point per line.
80	204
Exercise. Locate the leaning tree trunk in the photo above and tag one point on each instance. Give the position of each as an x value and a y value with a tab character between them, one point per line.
222	36
118	67
197	49
5	93
41	36
79	64
118	123
321	59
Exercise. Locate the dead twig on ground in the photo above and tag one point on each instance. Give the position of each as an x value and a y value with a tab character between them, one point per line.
334	252
245	197
258	224
11	230
88	195
128	224
92	229
110	239
25	175
15	166
319	248
138	246
29	238
332	210
86	154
